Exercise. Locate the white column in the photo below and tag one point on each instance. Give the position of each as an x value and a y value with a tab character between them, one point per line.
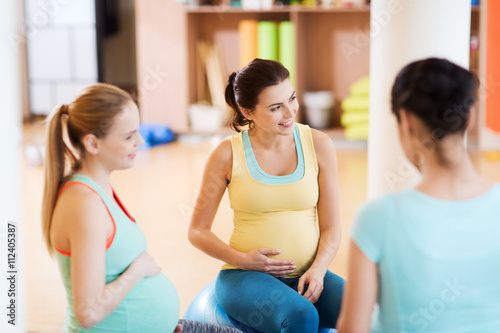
10	145
403	31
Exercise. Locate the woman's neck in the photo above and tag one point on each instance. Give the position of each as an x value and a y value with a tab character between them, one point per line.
448	173
96	172
269	141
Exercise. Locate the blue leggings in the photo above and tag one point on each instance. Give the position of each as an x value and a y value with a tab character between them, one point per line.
270	304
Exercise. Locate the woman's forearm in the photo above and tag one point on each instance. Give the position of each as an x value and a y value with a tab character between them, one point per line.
329	243
208	242
96	308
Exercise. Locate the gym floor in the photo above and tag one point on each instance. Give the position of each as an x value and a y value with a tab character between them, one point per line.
160	192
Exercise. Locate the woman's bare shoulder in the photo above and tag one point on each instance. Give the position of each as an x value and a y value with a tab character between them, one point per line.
221	158
79	209
323	144
223	150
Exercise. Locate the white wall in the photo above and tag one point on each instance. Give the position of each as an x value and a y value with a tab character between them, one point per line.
11	45
62	55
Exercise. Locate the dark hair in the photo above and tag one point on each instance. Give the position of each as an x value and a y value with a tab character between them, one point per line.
244	87
437	91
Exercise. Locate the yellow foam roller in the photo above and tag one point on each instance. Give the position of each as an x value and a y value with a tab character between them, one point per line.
361	86
350	118
356	132
356	103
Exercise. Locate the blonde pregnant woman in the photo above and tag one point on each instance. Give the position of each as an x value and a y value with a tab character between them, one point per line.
112	283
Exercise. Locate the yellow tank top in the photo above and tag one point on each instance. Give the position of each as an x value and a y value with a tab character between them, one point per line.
280	215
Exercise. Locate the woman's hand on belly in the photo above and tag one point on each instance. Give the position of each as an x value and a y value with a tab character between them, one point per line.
145	265
258	260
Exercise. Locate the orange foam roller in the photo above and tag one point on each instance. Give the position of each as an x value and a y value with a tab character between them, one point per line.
493	67
248	41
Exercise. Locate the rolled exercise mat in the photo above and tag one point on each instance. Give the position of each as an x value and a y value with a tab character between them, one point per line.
267	40
248	41
354	118
360	87
356	103
287	47
358	132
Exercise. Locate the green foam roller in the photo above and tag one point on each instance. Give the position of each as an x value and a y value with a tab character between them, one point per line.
287	47
267	40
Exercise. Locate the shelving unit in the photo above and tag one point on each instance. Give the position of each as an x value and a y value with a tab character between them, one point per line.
332	48
318	68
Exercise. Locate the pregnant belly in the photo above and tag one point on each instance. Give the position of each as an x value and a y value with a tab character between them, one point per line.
294	234
151	306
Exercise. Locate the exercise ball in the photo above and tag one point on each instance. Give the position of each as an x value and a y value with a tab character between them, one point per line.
206	308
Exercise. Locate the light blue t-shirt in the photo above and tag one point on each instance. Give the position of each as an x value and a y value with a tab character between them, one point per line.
438	261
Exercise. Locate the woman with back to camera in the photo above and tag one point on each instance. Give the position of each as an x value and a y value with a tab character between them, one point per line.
429	256
281	177
112	284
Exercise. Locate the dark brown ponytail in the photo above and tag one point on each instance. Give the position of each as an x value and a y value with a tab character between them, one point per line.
238	120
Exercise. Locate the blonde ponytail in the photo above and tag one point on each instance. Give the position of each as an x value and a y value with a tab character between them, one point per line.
54	170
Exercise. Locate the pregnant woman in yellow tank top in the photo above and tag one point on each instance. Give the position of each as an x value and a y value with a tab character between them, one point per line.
282	184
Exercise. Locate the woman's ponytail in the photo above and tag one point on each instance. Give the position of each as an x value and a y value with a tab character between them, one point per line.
54	169
238	120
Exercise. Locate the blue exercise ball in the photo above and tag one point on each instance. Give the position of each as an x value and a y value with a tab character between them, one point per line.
206	308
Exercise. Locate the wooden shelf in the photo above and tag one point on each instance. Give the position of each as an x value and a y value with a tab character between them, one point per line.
319	9
336	134
224	9
233	10
283	9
